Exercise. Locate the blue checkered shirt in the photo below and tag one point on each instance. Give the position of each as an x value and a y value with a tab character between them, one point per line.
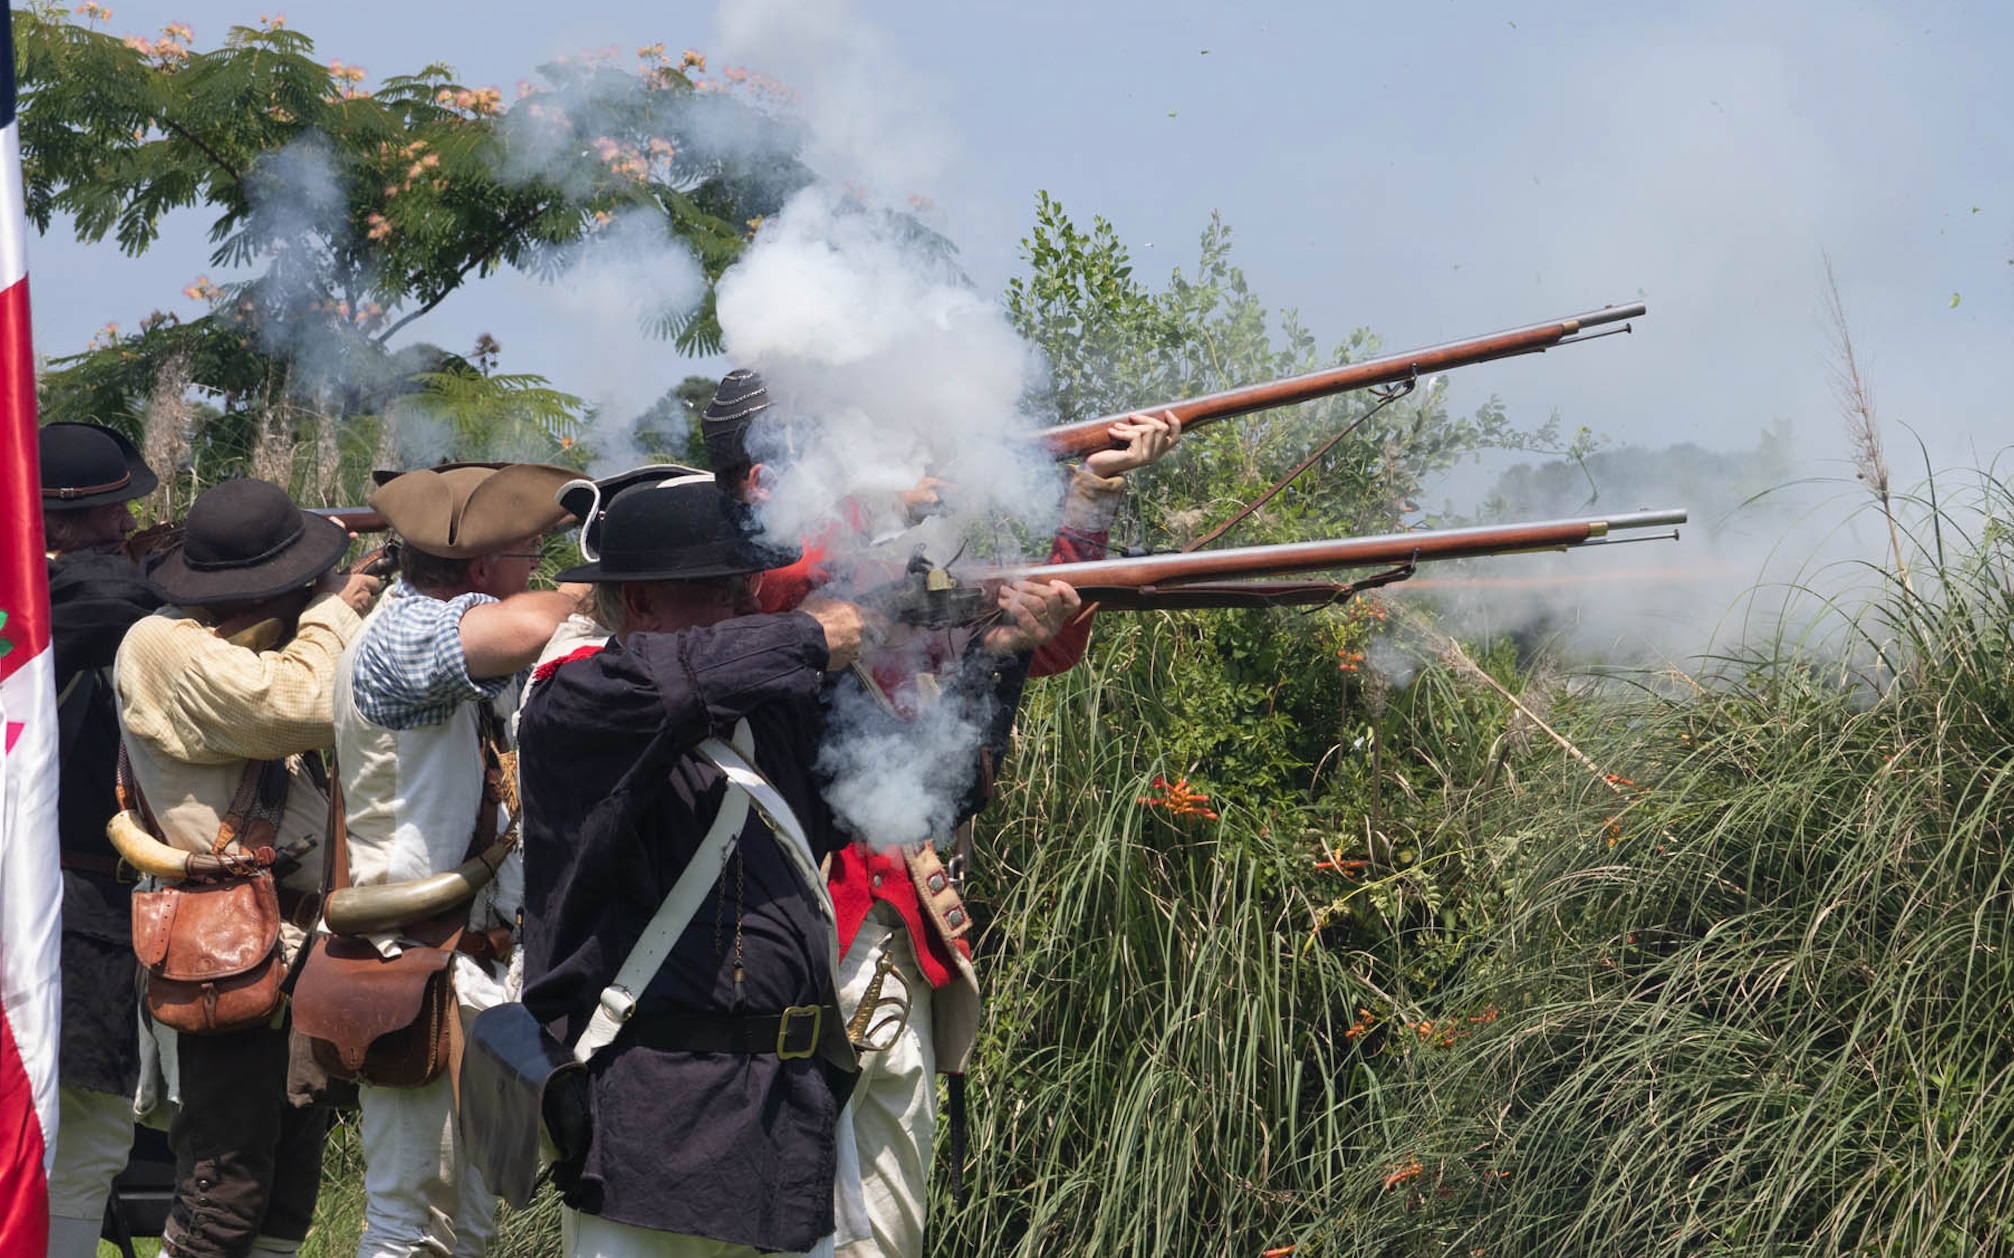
409	670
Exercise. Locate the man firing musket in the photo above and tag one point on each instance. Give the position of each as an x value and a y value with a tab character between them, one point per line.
424	891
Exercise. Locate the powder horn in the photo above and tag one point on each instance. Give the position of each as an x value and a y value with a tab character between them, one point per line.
149	855
390	905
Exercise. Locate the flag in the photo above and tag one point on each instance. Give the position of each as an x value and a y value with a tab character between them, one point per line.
31	895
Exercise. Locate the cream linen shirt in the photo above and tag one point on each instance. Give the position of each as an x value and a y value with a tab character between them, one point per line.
196	708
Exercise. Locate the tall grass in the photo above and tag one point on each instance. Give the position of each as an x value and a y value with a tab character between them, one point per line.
1762	1007
1165	1068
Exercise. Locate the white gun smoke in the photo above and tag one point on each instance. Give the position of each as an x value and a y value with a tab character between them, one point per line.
885	366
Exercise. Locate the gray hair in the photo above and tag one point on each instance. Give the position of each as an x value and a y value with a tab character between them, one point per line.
613	614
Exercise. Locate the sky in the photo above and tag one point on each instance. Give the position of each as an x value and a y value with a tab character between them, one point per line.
1427	171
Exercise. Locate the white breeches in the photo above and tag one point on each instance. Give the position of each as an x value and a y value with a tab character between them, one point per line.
422	1195
894	1104
591	1236
94	1135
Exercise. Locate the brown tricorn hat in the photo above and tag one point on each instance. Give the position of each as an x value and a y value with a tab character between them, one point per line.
464	510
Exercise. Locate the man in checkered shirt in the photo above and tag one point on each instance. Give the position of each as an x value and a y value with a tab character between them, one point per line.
418	694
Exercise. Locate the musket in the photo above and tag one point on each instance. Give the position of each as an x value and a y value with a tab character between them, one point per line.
355	519
1087	436
937	598
169	532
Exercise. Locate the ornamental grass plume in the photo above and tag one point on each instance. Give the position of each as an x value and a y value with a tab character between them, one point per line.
1856	404
165	429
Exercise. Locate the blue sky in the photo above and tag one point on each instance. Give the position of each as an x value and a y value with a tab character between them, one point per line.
1427	171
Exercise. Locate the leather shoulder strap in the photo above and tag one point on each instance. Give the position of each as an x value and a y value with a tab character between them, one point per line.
336	840
499	793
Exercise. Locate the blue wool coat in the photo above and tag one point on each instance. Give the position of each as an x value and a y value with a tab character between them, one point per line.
738	1148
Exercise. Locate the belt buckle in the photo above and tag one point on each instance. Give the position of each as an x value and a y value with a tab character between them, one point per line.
790	1016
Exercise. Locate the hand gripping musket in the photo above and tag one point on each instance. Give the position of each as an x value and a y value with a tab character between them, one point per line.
1075	440
935	598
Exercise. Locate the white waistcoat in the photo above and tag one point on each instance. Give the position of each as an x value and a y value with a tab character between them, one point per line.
410	798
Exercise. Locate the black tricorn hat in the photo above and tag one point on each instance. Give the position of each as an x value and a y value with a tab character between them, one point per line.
88	465
587	500
684	531
245	540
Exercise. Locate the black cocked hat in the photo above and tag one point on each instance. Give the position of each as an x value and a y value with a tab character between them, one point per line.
88	465
587	500
723	426
684	531
245	540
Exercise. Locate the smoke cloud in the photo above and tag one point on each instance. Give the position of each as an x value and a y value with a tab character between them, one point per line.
897	782
626	277
885	366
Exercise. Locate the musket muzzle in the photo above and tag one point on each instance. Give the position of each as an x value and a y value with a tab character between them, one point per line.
1643	520
1607	314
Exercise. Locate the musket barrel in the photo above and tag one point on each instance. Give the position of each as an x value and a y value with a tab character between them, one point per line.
1646	519
1320	556
1069	441
355	519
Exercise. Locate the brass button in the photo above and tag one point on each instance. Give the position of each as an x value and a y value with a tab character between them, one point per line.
877	880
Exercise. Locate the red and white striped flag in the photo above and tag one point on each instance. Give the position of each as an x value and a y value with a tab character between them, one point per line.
31	896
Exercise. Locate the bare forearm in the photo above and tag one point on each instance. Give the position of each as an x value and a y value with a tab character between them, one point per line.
502	638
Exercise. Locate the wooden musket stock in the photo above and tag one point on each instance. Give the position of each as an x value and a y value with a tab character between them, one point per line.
1074	441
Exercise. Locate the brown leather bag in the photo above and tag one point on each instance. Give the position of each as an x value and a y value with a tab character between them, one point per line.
389	1022
212	952
211	946
373	1020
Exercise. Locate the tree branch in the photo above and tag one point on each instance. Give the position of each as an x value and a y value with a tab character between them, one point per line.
510	228
237	176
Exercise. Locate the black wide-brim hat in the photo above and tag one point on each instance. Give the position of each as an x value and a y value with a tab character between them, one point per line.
684	531
245	540
89	465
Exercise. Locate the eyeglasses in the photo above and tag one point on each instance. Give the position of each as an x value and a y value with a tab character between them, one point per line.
519	554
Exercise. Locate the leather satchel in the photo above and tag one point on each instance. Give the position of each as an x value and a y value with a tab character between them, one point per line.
376	1020
385	1021
211	946
212	953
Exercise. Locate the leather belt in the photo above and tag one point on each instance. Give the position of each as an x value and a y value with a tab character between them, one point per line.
798	1032
493	944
